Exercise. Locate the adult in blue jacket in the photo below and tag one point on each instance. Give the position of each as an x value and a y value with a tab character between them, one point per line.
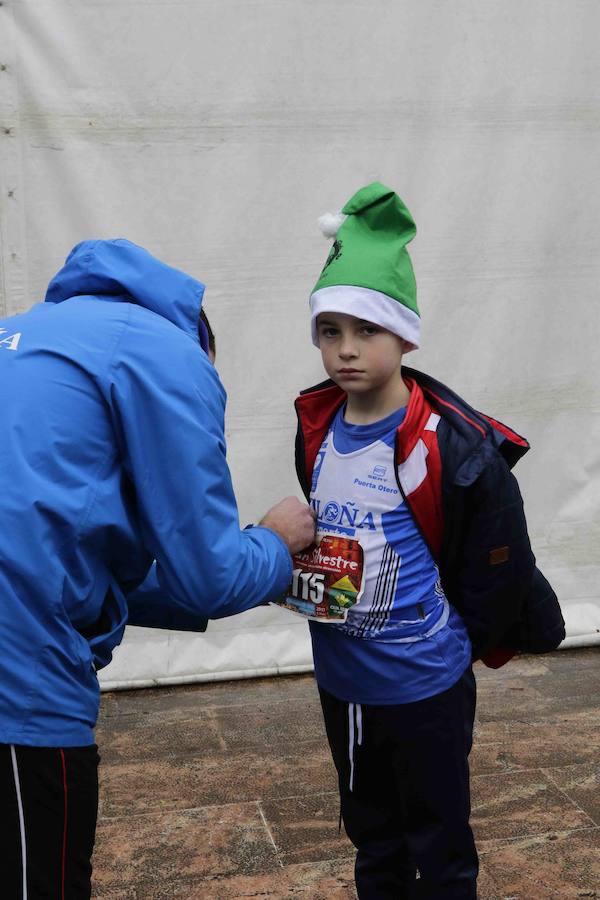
112	456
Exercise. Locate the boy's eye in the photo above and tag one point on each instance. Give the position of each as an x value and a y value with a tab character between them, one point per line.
328	331
370	329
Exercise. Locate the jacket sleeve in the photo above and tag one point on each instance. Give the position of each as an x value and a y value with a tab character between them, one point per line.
496	565
541	627
149	607
168	408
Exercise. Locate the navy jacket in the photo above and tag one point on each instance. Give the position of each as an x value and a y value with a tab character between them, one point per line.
453	469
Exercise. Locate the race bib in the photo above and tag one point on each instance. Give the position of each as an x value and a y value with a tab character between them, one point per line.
327	579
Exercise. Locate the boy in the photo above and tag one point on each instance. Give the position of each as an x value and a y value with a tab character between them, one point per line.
395	460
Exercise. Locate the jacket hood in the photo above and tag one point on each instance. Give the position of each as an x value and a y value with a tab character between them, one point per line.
120	270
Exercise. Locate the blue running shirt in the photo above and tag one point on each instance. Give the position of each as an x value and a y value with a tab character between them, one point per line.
403	641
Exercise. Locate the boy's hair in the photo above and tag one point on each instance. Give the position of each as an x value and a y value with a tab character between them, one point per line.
209	332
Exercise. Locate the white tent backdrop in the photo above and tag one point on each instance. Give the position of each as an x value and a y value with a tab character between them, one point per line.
215	134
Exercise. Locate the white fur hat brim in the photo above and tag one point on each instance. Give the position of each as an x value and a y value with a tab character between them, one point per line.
367	304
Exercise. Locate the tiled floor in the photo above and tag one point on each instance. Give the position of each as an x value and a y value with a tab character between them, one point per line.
226	791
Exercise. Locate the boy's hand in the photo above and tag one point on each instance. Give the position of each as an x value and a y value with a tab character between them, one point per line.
293	521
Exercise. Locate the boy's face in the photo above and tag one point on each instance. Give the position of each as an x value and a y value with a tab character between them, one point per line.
358	355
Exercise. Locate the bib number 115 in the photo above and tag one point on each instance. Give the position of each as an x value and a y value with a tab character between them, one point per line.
308	585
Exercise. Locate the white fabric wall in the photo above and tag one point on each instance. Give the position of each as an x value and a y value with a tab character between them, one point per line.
215	134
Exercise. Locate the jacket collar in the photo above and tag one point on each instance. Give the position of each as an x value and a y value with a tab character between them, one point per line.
317	406
474	426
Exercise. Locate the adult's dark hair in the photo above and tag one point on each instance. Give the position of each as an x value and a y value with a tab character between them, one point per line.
209	331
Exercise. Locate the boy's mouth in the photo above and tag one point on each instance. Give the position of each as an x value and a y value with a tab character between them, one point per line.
350	371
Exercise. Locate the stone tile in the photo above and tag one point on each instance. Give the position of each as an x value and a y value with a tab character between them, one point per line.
488	759
565	865
582	785
566	662
189	782
487	888
325	880
170	702
212	729
117	894
306	828
519	745
272	725
530	706
142	742
558	665
109	707
516	672
152	850
536	687
174	758
573	674
519	804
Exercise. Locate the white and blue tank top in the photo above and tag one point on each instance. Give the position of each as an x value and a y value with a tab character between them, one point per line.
403	641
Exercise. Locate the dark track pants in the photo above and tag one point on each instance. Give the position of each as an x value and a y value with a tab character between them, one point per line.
49	802
404	788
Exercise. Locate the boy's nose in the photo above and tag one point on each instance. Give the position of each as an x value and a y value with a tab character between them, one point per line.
348	349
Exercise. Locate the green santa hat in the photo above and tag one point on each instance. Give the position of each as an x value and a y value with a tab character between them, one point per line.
368	273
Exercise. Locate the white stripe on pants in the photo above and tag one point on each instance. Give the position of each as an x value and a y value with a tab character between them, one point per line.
15	767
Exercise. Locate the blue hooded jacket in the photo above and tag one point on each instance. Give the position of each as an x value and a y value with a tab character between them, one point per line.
112	456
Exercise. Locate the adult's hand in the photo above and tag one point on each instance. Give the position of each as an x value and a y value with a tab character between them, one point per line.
293	521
